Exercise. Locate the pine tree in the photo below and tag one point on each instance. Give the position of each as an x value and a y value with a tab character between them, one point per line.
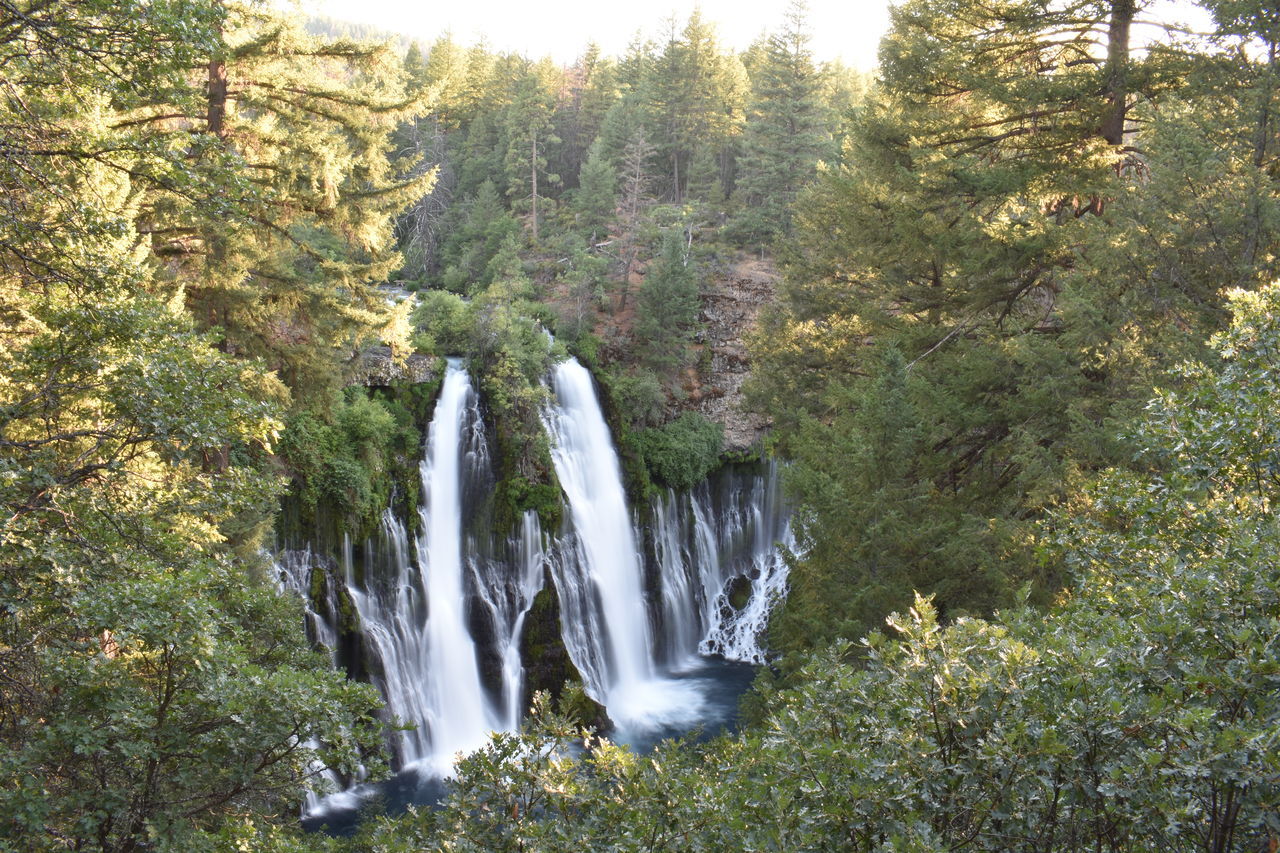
592	88
786	133
695	96
667	307
288	253
527	127
953	232
481	226
595	202
635	200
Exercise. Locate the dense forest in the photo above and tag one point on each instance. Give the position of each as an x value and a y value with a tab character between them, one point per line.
1019	362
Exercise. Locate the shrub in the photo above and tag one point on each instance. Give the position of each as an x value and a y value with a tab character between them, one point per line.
445	321
683	452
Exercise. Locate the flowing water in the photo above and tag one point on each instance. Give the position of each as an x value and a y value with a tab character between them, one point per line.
662	614
722	570
599	575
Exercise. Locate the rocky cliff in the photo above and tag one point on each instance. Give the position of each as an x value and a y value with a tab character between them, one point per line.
376	368
731	306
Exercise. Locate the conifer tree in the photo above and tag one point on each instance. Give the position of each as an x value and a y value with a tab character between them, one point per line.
592	89
695	94
636	197
595	201
952	232
528	129
286	254
482	225
786	133
667	307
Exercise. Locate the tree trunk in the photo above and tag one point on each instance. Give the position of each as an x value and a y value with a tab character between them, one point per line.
1117	71
675	176
217	98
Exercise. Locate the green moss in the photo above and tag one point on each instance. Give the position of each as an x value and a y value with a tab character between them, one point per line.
547	663
319	587
635	475
739	592
352	457
348	614
520	495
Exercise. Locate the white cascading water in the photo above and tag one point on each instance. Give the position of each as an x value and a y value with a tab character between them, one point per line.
458	716
598	571
507	587
415	603
721	535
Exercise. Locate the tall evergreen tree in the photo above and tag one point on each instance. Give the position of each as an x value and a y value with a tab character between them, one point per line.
980	185
787	132
667	307
636	198
695	94
596	199
528	129
592	83
286	254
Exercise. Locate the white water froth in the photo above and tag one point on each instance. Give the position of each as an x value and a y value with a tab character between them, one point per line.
709	541
598	571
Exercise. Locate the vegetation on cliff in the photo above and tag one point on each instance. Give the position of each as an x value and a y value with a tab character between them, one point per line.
992	255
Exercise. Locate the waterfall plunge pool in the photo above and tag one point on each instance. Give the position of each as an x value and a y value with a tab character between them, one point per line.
714	684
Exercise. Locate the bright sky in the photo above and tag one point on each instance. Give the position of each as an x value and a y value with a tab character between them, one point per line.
845	29
842	29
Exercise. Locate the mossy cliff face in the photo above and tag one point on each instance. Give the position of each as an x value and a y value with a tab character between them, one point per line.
350	457
526	479
547	664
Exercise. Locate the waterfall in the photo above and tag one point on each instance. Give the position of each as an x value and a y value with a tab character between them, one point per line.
612	604
417	603
598	571
714	544
649	613
458	716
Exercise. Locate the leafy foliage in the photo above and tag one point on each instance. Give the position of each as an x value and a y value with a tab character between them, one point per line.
155	688
1139	714
682	453
1036	272
352	458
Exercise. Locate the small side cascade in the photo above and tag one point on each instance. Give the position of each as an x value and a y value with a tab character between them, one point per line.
720	553
507	585
293	573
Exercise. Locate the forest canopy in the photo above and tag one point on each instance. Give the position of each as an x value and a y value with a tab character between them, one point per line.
1020	370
